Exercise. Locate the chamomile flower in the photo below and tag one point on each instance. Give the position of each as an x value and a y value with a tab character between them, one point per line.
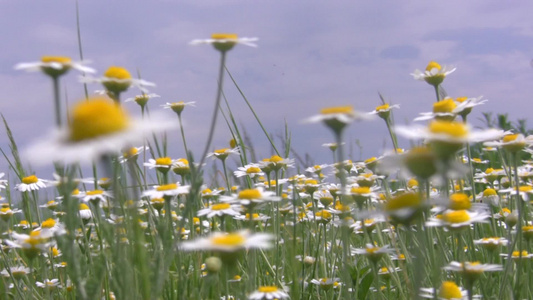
117	80
97	127
167	190
458	219
326	283
132	153
251	197
33	244
178	107
49	284
372	252
447	291
31	183
516	255
251	170
18	272
442	110
472	270
491	243
268	293
54	66
434	73
225	41
142	99
96	196
6	212
162	164
229	242
383	111
223	153
338	117
465	105
84	212
219	209
511	142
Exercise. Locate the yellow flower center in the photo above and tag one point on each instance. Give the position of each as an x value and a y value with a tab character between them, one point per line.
527	228
83	206
117	72
131	152
167	187
30	179
224	36
275	159
407	200
383	107
433	65
56	59
221	151
456	216
95	192
509	138
460	201
163	161
252	170
49	223
250	194
444	106
311	182
96	117
55	252
5	209
220	206
461	99
254	216
267	289
324	214
454	129
412	183
516	254
370	160
360	190
450	290
232	239
183	161
525	188
337	110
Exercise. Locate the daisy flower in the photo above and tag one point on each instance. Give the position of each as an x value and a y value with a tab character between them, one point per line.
132	153
142	99
51	227
447	291
491	243
97	127
181	166
275	163
372	252
338	117
251	197
383	111
434	73
85	212
442	110
50	284
223	153
54	66
331	146
31	183
465	105
326	283
167	190
225	41
6	213
95	196
251	170
255	217
268	293
33	244
17	272
178	107
511	142
219	209
458	219
229	242
162	164
117	80
472	270
518	255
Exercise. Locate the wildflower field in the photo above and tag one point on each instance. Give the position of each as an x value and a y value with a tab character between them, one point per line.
447	218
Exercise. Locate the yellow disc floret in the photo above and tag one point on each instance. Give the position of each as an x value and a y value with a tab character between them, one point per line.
337	110
30	179
453	129
450	290
117	73
456	216
250	194
167	187
444	106
232	239
433	65
95	118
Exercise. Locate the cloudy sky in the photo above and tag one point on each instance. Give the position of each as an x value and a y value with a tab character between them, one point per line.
311	54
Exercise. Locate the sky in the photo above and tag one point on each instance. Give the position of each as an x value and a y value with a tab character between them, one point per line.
310	55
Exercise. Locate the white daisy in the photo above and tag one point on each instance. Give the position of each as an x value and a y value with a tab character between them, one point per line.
268	293
219	209
338	117
117	80
447	291
251	170
229	242
383	111
142	99
97	127
3	182
434	73
31	183
251	197
472	267
225	41
96	196
178	107
457	219
167	190
224	153
55	66
50	284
